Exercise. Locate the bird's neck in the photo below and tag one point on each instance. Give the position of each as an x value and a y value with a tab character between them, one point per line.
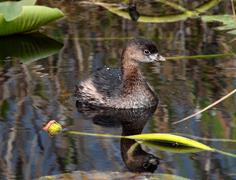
131	75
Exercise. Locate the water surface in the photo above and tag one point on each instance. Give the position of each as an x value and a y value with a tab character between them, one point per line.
32	92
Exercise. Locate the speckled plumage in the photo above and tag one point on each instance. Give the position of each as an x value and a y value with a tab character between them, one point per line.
123	88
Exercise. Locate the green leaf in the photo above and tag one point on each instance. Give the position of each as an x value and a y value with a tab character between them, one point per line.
172	147
172	140
28	47
187	145
11	9
30	18
229	22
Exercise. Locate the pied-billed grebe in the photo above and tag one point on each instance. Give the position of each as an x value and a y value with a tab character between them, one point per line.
124	88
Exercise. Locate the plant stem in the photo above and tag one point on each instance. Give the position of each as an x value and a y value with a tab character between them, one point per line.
174	6
207	56
233	9
93	134
206	108
232	5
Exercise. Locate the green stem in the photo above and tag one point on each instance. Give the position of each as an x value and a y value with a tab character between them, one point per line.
101	38
225	153
207	139
174	6
207	56
206	108
206	6
115	8
135	145
93	134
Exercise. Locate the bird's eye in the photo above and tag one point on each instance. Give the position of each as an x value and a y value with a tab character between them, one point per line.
146	52
145	165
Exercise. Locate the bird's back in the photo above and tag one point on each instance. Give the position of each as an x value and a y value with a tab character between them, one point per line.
98	89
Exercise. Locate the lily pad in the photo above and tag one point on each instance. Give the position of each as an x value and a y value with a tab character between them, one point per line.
29	19
11	9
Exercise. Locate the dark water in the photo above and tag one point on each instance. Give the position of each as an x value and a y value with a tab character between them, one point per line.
89	37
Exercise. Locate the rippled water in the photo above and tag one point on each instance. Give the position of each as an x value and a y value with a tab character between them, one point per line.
89	37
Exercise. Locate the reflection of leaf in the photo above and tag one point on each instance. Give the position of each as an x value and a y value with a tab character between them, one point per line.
28	47
227	20
170	140
30	18
11	9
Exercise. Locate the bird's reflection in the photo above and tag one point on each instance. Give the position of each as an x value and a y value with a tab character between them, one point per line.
132	122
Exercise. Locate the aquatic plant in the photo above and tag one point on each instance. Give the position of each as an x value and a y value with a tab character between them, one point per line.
206	108
23	16
167	141
228	22
162	141
183	14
